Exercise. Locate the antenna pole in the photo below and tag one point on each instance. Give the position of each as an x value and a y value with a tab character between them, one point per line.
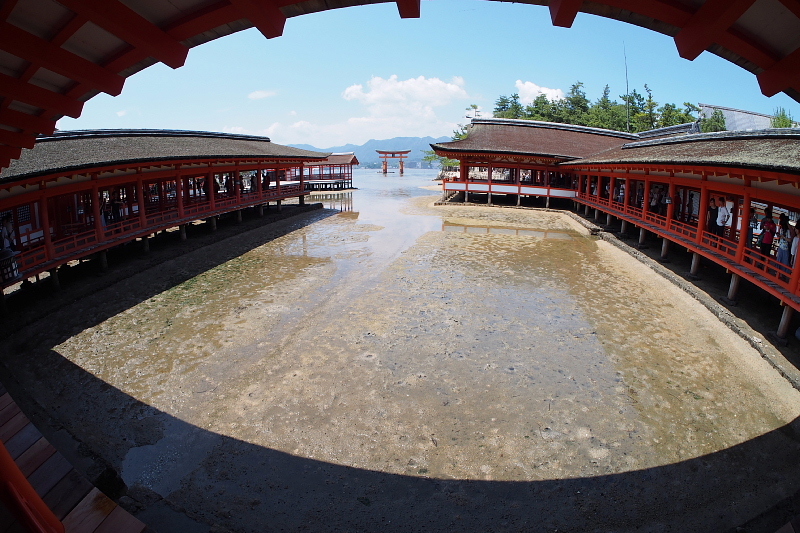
627	90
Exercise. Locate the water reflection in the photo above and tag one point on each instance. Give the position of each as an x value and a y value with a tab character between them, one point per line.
341	201
494	230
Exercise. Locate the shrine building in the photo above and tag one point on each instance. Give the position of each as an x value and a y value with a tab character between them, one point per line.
79	193
661	182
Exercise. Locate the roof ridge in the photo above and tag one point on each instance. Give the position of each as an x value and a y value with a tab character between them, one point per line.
554	125
771	133
82	134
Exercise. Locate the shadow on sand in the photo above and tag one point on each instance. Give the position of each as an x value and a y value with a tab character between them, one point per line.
179	477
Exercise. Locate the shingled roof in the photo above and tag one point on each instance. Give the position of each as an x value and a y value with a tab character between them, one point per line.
533	138
772	149
348	158
71	151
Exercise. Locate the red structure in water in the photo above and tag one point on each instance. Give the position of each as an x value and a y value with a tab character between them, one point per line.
386	155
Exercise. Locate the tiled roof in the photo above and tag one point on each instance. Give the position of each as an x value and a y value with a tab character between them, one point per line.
775	149
74	150
534	138
336	159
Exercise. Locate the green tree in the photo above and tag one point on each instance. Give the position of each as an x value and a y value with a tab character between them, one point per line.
782	119
690	112
606	113
509	107
501	106
539	109
669	115
576	105
716	122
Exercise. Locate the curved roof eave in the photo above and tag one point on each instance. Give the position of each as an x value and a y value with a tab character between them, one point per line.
50	67
87	150
513	153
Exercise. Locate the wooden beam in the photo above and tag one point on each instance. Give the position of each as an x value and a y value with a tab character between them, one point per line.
19	140
409	9
24	121
563	12
208	18
781	76
38	97
711	20
45	54
120	20
265	15
9	152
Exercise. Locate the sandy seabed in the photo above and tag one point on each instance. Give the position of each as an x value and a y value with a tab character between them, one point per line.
498	370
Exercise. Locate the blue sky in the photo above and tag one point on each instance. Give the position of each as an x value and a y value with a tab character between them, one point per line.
360	73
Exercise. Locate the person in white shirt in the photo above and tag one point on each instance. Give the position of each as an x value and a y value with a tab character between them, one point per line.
723	216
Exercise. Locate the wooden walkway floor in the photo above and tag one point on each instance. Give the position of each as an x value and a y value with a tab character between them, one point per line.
80	506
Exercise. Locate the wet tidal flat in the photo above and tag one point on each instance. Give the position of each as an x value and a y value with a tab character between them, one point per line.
409	367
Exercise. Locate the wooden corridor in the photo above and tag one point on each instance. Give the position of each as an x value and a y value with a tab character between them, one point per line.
75	503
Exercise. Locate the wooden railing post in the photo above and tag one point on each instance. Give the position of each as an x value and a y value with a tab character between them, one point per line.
48	239
22	500
744	234
702	212
671	204
98	221
179	191
140	198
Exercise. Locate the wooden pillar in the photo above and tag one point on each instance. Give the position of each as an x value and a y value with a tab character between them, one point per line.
302	199
623	228
744	233
261	210
146	243
179	186
786	320
702	213
182	229
280	207
238	216
98	216
733	289
642	236
646	197
212	193
55	282
140	199
664	250
48	238
695	268
609	219
596	213
671	205
103	260
213	221
489	181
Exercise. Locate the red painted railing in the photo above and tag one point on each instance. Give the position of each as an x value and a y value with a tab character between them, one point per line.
76	240
764	271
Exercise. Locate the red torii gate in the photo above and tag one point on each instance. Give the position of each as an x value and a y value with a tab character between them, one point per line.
386	155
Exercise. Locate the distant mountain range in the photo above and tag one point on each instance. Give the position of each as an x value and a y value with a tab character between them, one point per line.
366	153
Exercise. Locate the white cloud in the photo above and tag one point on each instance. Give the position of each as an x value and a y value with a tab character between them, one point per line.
122	113
392	108
234	129
528	91
258	95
